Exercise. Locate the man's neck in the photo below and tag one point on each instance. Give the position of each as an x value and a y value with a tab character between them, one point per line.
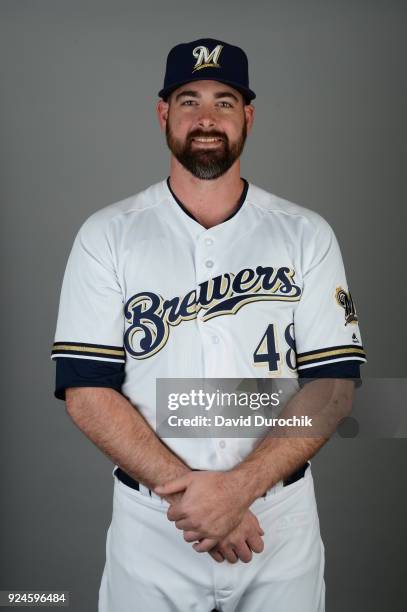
210	202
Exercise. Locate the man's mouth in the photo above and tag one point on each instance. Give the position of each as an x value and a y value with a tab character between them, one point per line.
207	139
207	142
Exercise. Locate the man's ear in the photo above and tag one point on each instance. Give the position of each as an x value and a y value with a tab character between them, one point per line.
249	111
162	109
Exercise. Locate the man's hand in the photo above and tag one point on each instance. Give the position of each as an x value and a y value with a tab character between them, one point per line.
173	498
238	544
213	503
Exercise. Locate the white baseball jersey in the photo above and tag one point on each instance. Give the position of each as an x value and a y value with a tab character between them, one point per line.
150	293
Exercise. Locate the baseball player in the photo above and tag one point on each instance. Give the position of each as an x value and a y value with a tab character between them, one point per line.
205	275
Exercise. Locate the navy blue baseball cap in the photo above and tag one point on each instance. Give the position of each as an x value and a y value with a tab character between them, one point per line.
210	60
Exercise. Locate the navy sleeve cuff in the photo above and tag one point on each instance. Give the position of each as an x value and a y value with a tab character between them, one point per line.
341	369
71	372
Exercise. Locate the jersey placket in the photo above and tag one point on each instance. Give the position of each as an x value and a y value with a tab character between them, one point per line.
209	263
206	267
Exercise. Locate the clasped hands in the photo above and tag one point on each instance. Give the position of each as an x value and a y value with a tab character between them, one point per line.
211	510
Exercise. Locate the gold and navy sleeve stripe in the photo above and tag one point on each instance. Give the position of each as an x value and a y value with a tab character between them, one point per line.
79	350
330	355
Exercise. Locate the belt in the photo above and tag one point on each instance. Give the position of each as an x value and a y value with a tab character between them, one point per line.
134	484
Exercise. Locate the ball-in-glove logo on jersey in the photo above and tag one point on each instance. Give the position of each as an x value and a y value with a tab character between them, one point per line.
206	59
345	300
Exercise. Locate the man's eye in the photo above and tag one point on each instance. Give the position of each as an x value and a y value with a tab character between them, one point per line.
222	103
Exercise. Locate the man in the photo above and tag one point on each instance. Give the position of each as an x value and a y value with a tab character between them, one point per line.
205	275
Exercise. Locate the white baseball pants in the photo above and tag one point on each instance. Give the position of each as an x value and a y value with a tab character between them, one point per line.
149	566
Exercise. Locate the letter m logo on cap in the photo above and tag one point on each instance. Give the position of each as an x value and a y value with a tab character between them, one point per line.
206	59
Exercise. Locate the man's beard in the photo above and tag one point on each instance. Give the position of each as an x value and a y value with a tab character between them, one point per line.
206	164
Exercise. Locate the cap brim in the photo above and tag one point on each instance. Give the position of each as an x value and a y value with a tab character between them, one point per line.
247	93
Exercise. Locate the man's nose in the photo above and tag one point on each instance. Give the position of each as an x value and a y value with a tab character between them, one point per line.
206	119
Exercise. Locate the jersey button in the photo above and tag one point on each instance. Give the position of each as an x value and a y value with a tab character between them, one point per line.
222	443
209	263
209	241
215	339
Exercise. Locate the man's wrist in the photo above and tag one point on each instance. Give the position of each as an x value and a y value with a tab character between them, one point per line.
251	483
176	472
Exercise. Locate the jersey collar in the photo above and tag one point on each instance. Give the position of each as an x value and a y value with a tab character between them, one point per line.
242	200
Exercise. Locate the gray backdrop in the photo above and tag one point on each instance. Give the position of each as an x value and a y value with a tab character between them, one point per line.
79	81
